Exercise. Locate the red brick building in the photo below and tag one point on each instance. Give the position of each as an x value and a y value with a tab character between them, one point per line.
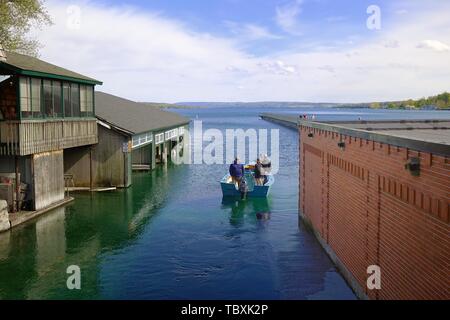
378	193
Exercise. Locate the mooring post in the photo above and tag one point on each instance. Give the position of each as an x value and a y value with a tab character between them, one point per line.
91	181
16	206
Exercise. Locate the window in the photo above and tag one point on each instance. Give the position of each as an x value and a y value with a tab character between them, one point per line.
57	99
75	100
48	98
30	97
66	95
86	101
25	96
83	102
90	101
36	97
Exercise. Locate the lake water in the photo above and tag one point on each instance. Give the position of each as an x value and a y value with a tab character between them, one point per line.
171	235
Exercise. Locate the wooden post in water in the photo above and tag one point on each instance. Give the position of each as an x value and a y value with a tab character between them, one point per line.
17	204
152	155
91	176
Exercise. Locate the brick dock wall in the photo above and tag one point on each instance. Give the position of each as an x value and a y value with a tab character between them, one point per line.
367	209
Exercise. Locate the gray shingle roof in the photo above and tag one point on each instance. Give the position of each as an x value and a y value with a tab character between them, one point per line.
132	116
24	64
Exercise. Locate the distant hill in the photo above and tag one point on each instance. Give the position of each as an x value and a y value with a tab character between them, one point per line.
166	105
261	104
440	101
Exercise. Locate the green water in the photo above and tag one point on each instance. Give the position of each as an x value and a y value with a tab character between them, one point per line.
171	236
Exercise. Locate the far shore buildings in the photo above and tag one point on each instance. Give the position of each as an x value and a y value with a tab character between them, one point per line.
53	125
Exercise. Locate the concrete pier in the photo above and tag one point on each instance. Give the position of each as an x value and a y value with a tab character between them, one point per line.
4	216
284	120
24	216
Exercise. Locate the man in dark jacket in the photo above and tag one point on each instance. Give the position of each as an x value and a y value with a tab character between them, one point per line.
259	178
236	171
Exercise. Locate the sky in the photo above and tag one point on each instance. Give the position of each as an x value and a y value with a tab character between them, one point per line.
249	50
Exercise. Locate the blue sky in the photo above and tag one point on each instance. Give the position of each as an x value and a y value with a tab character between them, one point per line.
248	50
324	22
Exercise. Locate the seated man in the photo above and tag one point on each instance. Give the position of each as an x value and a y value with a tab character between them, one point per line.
236	171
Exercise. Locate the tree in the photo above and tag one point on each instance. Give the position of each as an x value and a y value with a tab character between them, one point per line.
375	105
16	20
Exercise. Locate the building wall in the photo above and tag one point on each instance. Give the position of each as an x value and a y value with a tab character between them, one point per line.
142	155
110	165
48	171
367	209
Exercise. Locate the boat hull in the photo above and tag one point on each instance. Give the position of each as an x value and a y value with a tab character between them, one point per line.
255	191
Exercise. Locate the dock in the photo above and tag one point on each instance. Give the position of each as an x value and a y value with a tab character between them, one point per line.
290	121
17	218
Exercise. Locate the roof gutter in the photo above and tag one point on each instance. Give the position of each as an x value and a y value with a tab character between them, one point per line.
31	73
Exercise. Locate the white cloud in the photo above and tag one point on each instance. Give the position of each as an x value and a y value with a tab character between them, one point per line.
401	11
287	17
434	45
392	44
278	67
250	31
146	56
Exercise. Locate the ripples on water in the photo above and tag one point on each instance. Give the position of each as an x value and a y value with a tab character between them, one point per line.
172	236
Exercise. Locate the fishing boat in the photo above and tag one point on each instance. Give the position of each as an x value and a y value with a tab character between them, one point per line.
230	189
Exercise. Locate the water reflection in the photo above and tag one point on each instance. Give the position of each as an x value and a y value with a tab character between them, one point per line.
251	209
34	257
50	240
4	245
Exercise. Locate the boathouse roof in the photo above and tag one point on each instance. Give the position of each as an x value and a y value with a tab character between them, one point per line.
422	135
133	116
30	66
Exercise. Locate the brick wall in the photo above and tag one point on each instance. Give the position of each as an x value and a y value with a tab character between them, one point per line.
369	210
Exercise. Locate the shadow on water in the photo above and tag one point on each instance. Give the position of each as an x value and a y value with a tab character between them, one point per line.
250	209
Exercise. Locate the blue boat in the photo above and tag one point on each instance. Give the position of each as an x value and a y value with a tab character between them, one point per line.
230	189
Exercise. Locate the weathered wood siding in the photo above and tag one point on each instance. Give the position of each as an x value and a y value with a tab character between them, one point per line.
142	155
35	136
48	170
110	165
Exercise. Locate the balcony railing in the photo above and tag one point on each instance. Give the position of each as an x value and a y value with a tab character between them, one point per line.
34	136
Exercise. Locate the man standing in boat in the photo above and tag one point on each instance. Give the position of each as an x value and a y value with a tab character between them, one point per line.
237	171
266	167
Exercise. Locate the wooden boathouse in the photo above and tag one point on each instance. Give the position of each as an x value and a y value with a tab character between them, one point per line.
44	110
131	136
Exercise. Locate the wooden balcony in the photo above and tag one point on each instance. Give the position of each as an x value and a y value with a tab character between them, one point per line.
34	136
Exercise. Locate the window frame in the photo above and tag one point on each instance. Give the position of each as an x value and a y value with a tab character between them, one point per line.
41	113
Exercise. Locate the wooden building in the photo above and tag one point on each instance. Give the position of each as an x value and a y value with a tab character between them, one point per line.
131	136
44	110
